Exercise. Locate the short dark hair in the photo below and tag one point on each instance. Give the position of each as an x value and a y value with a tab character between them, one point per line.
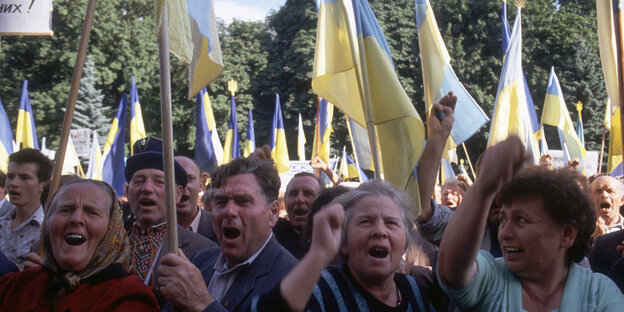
461	185
264	171
2	179
308	174
563	199
31	155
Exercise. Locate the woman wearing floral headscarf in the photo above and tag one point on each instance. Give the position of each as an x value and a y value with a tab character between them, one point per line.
84	250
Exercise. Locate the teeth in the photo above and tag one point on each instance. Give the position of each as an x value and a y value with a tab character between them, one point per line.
75	236
512	249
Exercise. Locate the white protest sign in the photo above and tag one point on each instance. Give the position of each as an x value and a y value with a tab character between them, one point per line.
25	17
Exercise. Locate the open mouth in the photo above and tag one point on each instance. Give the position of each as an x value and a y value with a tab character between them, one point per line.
14	193
605	206
512	250
300	212
184	198
75	239
378	252
230	232
147	202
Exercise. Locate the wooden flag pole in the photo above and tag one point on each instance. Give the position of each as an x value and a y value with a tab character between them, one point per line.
71	101
602	145
469	162
167	131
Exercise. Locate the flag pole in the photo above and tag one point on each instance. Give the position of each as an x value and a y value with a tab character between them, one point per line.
469	162
317	129
619	7
71	101
167	131
602	145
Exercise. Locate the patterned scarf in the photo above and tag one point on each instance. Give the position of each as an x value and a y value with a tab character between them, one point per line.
113	247
145	246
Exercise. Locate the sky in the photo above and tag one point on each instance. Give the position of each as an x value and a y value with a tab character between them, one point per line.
247	10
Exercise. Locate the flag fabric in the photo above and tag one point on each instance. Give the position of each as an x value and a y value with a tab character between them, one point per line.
352	169
193	38
462	170
71	160
446	171
137	128
511	115
360	80
6	139
26	134
579	123
618	171
360	144
555	113
113	163
301	141
439	77
250	142
323	130
231	149
94	170
279	150
615	141
208	149
543	144
608	49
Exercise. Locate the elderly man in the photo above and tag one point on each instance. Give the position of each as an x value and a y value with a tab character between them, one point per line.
453	193
249	261
28	172
146	195
608	197
300	192
190	216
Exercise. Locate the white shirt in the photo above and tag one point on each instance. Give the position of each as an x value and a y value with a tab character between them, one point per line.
195	224
24	239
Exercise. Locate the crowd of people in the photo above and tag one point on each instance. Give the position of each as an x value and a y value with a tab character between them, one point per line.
521	238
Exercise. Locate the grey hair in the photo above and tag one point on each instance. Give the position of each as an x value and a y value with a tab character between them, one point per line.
376	188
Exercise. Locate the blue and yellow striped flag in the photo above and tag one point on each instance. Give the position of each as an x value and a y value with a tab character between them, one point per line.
25	134
439	77
279	150
511	115
608	50
113	154
137	128
231	148
352	55
250	142
6	139
556	114
208	149
323	130
193	38
301	140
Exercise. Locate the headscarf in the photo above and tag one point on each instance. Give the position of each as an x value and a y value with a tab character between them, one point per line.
112	249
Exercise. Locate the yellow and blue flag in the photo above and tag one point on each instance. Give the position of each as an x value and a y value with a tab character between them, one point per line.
113	154
439	77
301	140
94	170
193	38
25	134
556	114
446	171
511	115
608	50
323	130
208	149
250	142
579	123
231	148
279	150
6	139
350	170
360	144
71	162
353	69
612	122
137	128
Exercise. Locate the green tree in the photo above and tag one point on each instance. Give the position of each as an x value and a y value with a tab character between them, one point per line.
89	112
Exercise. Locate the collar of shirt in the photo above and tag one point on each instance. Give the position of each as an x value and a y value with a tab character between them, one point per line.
36	217
222	267
138	229
615	227
195	224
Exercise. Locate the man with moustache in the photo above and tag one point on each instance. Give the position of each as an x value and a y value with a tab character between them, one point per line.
300	192
608	197
249	260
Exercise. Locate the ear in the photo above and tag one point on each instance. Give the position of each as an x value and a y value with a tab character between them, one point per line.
126	187
178	192
273	213
569	235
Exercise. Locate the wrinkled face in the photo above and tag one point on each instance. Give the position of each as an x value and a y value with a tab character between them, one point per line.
375	239
532	244
187	205
607	197
451	196
299	195
77	225
23	185
146	195
242	218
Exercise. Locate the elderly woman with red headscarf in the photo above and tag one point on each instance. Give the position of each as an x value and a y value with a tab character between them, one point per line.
84	250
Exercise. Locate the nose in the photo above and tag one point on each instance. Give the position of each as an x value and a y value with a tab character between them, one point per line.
148	186
230	210
505	231
77	217
379	229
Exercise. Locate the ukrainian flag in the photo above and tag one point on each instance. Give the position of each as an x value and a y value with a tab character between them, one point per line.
351	168
439	77
608	50
25	134
113	165
612	121
323	129
579	123
6	139
511	115
301	140
250	142
193	38
94	170
556	114
208	149
279	150
446	171
232	144
353	70
137	128
360	144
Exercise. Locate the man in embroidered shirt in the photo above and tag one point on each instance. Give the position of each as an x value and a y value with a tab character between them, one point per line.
29	170
190	216
608	197
249	261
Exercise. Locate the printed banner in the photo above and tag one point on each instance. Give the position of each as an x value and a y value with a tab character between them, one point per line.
26	17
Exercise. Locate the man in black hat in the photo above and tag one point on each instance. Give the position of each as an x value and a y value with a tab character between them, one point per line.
145	189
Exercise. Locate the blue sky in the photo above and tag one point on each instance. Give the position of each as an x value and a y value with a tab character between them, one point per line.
248	10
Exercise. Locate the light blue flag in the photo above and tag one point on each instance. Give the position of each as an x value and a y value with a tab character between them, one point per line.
26	134
448	173
617	171
279	150
113	155
208	149
6	139
231	147
250	142
579	128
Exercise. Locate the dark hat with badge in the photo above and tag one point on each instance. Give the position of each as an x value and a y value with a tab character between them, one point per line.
148	155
